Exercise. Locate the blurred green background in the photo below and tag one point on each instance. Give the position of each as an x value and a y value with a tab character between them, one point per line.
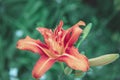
19	18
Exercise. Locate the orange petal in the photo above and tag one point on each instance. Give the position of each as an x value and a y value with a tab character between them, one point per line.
72	35
59	33
45	32
58	28
80	23
31	45
43	64
75	60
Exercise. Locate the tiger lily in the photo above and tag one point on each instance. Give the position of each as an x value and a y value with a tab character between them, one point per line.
58	46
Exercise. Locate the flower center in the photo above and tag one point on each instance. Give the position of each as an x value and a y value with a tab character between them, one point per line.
56	46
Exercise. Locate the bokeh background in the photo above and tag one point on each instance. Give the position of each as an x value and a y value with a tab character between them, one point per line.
19	18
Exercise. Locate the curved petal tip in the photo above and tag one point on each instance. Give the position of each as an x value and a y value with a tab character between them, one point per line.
81	23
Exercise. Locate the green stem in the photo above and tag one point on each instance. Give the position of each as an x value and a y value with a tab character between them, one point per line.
62	65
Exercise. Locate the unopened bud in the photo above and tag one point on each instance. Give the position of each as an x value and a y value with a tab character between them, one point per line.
103	60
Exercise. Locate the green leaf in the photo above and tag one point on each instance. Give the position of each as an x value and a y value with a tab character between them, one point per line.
85	34
117	4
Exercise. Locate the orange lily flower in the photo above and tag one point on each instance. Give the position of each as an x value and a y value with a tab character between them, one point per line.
58	46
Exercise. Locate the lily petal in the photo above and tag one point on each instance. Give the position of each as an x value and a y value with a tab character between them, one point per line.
58	28
42	65
31	45
72	36
59	34
75	60
47	33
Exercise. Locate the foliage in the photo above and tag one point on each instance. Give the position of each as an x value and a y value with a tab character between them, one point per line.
19	18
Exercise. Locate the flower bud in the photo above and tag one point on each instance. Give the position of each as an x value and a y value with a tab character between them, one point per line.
103	60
